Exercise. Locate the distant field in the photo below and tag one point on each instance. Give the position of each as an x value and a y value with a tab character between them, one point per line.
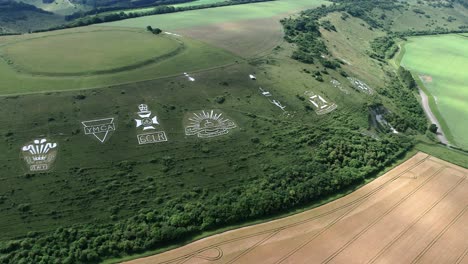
441	63
13	82
389	217
246	30
212	16
147	9
199	2
89	52
431	19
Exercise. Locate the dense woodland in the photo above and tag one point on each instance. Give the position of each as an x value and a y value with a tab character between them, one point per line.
340	158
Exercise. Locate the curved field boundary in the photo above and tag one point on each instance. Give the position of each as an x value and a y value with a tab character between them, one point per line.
353	204
396	62
180	47
336	253
294	245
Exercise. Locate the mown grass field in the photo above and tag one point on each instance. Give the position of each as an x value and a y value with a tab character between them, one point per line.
443	60
14	82
105	51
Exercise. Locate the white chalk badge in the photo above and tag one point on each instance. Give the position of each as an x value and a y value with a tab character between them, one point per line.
208	124
100	129
148	122
39	154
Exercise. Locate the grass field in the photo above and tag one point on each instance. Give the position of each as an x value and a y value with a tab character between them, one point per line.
247	30
106	52
217	15
14	82
440	62
388	217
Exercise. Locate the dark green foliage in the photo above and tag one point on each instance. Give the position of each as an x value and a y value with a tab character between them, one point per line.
406	77
220	99
383	47
336	160
327	25
410	113
304	30
432	128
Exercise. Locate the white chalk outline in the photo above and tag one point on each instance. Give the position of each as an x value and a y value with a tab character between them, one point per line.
221	125
153	133
96	120
39	154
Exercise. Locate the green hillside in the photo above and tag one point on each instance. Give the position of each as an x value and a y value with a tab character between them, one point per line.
326	112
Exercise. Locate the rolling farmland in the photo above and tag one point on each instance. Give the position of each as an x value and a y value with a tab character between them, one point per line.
416	213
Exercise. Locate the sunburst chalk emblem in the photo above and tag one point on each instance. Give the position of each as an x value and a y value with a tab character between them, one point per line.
146	120
208	124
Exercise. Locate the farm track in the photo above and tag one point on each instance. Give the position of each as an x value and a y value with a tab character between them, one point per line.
392	194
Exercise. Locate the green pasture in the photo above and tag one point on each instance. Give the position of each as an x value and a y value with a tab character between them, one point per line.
88	52
15	81
445	59
212	16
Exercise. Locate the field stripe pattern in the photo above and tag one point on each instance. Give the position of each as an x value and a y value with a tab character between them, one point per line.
421	204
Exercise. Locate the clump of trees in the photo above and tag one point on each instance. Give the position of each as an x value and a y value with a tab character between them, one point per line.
383	47
406	77
155	31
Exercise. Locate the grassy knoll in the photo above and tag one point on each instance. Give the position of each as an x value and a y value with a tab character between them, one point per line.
14	82
441	61
88	53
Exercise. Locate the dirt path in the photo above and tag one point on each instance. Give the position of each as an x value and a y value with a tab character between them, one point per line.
415	213
432	118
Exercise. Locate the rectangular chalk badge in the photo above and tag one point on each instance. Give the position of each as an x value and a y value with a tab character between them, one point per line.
151	138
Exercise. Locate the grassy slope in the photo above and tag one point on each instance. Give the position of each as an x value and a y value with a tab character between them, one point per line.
60	7
444	59
103	188
26	20
12	82
432	18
